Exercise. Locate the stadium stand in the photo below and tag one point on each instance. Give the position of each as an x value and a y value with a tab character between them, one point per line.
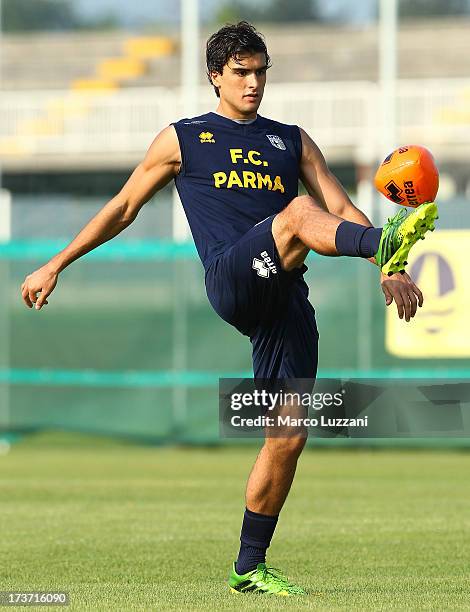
96	100
301	53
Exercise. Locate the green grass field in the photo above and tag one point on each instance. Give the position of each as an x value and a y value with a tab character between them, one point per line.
122	527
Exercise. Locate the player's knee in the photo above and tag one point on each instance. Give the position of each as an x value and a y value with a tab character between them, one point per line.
299	207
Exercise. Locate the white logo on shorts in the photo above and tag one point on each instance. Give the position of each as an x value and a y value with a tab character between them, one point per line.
276	141
260	267
265	266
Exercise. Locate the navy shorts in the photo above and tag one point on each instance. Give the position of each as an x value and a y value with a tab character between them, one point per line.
248	288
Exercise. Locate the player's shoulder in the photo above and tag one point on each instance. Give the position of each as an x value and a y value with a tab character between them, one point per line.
267	123
194	121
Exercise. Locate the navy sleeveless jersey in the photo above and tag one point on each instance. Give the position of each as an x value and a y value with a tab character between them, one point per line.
233	176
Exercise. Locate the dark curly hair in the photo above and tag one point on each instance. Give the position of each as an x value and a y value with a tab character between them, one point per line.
230	42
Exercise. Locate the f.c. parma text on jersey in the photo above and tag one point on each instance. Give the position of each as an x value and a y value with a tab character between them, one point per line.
233	176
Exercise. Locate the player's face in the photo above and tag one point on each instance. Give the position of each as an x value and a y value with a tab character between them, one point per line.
241	85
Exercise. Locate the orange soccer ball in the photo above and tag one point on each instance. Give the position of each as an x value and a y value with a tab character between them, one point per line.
408	176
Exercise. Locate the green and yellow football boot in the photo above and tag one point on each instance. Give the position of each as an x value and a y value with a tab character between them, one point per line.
263	580
400	233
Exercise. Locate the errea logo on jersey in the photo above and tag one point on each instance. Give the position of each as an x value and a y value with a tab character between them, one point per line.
265	266
206	137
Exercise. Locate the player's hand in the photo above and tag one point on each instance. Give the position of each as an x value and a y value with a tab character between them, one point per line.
38	286
400	289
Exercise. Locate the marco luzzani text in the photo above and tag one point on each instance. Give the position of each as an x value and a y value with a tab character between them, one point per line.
269	401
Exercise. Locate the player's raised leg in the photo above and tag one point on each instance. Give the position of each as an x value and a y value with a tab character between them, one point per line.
303	225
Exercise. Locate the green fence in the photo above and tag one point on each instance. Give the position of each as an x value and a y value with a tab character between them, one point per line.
130	346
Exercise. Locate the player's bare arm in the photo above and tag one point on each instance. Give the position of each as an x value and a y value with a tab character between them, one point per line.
322	184
158	168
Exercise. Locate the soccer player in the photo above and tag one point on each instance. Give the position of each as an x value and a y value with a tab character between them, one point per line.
237	175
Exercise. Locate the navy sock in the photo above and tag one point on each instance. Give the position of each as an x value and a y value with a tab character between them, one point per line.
249	557
255	538
357	240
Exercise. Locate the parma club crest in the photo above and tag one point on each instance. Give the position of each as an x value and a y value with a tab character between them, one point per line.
276	141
